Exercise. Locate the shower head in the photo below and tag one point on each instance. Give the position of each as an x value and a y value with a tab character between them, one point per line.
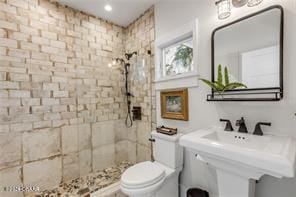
128	56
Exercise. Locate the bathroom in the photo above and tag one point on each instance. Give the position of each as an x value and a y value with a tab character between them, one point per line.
63	100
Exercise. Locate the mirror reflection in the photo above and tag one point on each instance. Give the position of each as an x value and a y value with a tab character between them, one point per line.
251	50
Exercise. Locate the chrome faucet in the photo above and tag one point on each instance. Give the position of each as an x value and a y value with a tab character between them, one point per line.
242	125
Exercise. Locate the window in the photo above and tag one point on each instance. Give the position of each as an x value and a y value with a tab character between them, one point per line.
177	58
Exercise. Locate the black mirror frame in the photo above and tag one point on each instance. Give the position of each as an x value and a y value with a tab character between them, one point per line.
279	90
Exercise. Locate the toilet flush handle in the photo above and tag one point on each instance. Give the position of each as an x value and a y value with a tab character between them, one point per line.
151	140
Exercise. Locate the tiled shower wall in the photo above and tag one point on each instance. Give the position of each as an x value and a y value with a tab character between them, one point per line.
62	108
140	38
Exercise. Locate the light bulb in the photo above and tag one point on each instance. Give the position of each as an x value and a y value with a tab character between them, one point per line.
224	9
239	3
108	8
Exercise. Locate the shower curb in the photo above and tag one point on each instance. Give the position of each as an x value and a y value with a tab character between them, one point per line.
112	190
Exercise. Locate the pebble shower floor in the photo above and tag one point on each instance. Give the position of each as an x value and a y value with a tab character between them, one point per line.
86	185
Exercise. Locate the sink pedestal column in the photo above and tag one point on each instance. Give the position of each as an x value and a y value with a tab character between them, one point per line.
232	185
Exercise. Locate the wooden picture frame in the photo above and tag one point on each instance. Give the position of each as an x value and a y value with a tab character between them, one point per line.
174	104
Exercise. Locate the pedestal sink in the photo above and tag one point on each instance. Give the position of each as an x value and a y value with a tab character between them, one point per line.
240	159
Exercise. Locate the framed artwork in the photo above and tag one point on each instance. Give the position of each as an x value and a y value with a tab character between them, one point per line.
174	104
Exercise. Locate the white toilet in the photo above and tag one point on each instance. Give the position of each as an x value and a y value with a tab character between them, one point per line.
158	178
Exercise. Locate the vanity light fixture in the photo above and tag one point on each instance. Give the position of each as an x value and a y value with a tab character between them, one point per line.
224	9
108	7
252	3
224	6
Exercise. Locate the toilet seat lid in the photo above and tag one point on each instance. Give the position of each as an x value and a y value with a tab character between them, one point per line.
142	175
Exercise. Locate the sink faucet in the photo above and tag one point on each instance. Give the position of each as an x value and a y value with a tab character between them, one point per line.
242	125
258	130
228	125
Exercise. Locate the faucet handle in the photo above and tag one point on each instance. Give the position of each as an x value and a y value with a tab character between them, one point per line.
228	125
258	130
240	121
242	125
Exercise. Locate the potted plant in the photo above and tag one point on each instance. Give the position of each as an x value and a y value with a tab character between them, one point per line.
219	86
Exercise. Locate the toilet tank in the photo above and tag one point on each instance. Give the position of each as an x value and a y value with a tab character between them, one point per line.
167	151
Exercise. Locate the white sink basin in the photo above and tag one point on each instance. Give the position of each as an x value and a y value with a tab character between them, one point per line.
235	139
245	156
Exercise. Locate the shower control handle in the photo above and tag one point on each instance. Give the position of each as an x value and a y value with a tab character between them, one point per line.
130	94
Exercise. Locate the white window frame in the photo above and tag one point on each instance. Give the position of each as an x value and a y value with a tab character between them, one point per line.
189	30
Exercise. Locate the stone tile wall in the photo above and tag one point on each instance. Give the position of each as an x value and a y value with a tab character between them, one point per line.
59	101
62	108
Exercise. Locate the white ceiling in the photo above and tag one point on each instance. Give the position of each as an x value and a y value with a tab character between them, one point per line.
124	11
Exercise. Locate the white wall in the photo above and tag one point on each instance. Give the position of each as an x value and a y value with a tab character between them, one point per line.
170	15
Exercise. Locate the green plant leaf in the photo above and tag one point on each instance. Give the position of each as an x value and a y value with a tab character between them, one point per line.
226	76
220	77
220	87
209	83
234	85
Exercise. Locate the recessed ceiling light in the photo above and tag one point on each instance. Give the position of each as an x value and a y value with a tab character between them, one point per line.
108	7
